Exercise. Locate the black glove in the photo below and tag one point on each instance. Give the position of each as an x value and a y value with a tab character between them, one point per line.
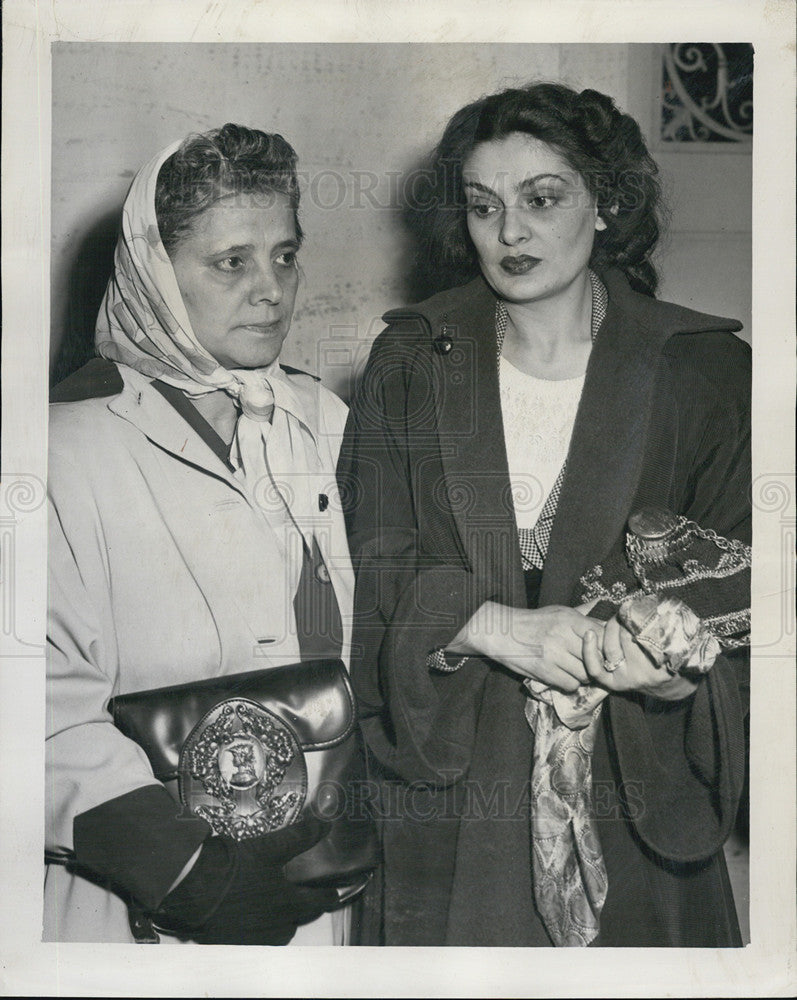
237	893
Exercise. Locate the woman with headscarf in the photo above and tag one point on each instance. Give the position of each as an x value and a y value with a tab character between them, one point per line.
543	779
191	537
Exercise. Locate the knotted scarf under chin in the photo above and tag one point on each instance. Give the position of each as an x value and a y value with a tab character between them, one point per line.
252	430
273	452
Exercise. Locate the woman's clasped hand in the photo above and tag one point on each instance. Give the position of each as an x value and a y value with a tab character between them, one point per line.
543	644
564	648
620	664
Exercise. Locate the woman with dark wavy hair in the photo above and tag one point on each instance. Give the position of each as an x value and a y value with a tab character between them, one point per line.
188	541
543	778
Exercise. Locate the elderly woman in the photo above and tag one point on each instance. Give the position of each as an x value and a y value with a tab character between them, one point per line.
504	432
188	540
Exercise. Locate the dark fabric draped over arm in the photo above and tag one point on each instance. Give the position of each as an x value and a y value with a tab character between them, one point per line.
689	756
410	598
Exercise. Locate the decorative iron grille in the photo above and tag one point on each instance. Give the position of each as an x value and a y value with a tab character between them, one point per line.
707	92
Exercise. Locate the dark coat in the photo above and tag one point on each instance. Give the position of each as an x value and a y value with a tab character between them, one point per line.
664	419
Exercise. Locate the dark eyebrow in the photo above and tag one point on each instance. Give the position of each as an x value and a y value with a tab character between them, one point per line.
530	181
480	187
523	186
239	248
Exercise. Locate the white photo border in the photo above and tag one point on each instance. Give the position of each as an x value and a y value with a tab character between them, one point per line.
27	966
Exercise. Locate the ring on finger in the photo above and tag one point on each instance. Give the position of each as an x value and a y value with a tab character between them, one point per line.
611	665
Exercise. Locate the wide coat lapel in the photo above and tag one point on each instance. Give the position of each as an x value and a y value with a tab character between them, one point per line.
610	434
471	436
197	497
144	407
606	450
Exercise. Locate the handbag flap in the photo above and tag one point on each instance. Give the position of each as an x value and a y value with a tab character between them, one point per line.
314	698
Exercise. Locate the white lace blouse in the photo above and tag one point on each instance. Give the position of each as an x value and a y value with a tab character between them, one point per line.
538	416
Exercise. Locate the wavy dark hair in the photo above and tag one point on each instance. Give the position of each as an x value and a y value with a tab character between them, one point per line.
227	161
597	140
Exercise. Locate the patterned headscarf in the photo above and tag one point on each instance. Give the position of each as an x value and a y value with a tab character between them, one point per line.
143	323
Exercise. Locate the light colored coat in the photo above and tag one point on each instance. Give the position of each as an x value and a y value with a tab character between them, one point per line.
162	571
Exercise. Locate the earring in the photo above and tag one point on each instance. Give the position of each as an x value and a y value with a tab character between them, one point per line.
613	209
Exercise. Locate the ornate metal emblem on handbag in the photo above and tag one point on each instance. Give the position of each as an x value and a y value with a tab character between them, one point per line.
242	769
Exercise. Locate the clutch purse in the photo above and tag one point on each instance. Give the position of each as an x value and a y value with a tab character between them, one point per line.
254	752
676	558
682	591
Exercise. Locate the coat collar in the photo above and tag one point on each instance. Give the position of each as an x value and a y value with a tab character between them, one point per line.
607	445
467	303
140	403
132	396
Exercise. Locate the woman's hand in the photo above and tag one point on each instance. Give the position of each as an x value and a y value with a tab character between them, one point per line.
544	644
633	669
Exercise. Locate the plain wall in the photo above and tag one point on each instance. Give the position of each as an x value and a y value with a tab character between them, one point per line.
359	116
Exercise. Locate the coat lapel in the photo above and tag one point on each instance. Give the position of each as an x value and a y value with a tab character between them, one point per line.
607	448
143	406
470	431
605	456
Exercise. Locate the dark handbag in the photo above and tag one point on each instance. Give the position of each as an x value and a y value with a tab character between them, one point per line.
254	752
